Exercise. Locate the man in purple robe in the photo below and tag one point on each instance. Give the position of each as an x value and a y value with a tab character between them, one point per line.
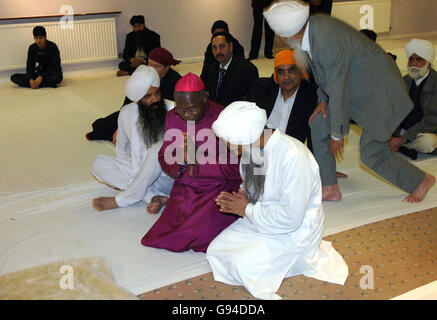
191	154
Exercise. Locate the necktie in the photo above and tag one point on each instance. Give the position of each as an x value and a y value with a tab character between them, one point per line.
220	80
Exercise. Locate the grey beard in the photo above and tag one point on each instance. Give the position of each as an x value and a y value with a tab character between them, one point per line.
417	73
253	182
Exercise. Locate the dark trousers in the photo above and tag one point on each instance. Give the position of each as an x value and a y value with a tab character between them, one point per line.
126	66
104	128
49	81
257	32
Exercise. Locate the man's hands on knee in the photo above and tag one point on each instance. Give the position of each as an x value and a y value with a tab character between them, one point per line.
321	107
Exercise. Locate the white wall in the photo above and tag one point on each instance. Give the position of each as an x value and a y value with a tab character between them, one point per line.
413	16
184	25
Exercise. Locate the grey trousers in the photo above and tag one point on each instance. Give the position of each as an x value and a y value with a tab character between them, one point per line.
374	154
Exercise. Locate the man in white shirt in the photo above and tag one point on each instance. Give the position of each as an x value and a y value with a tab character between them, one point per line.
288	97
418	130
279	234
135	169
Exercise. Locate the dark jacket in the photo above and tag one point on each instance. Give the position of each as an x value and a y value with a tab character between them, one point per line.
209	57
149	38
261	3
264	93
428	102
240	76
168	83
49	60
324	7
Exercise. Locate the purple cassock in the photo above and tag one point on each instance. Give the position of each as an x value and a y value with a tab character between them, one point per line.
191	219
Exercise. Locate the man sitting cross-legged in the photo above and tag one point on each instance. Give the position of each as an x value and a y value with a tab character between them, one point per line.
280	232
135	168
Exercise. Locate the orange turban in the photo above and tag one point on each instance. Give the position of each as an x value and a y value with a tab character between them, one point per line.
285	57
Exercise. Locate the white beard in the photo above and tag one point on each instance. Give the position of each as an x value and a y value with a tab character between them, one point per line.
417	73
299	55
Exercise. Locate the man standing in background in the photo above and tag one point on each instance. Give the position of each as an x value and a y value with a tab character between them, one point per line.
258	6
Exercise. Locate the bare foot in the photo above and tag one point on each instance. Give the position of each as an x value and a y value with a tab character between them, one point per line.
156	204
331	193
341	175
104	203
122	73
421	191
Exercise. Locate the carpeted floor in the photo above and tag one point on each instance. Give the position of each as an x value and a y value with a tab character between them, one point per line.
401	252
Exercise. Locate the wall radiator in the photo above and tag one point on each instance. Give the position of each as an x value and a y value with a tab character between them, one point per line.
349	12
90	40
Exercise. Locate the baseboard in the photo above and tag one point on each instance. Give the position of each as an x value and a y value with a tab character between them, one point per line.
407	35
72	68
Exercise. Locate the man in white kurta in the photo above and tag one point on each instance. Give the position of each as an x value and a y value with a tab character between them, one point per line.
280	233
135	169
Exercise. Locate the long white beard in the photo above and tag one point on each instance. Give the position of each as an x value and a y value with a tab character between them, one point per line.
417	73
299	54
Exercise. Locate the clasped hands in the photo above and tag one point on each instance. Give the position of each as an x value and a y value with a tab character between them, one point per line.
234	202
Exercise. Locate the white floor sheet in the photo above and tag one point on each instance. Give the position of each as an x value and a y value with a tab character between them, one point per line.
46	188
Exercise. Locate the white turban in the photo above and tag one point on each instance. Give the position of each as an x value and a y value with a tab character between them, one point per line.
287	18
240	123
140	82
422	48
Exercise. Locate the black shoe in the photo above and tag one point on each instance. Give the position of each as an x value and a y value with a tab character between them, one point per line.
269	56
252	58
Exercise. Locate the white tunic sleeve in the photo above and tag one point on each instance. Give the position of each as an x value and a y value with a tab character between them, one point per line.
298	181
122	148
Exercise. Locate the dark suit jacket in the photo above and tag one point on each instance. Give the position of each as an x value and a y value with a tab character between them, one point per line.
261	3
428	102
150	40
240	76
209	57
264	93
324	7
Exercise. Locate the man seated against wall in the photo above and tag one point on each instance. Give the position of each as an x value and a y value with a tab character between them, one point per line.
221	26
43	67
418	131
191	154
138	45
230	77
